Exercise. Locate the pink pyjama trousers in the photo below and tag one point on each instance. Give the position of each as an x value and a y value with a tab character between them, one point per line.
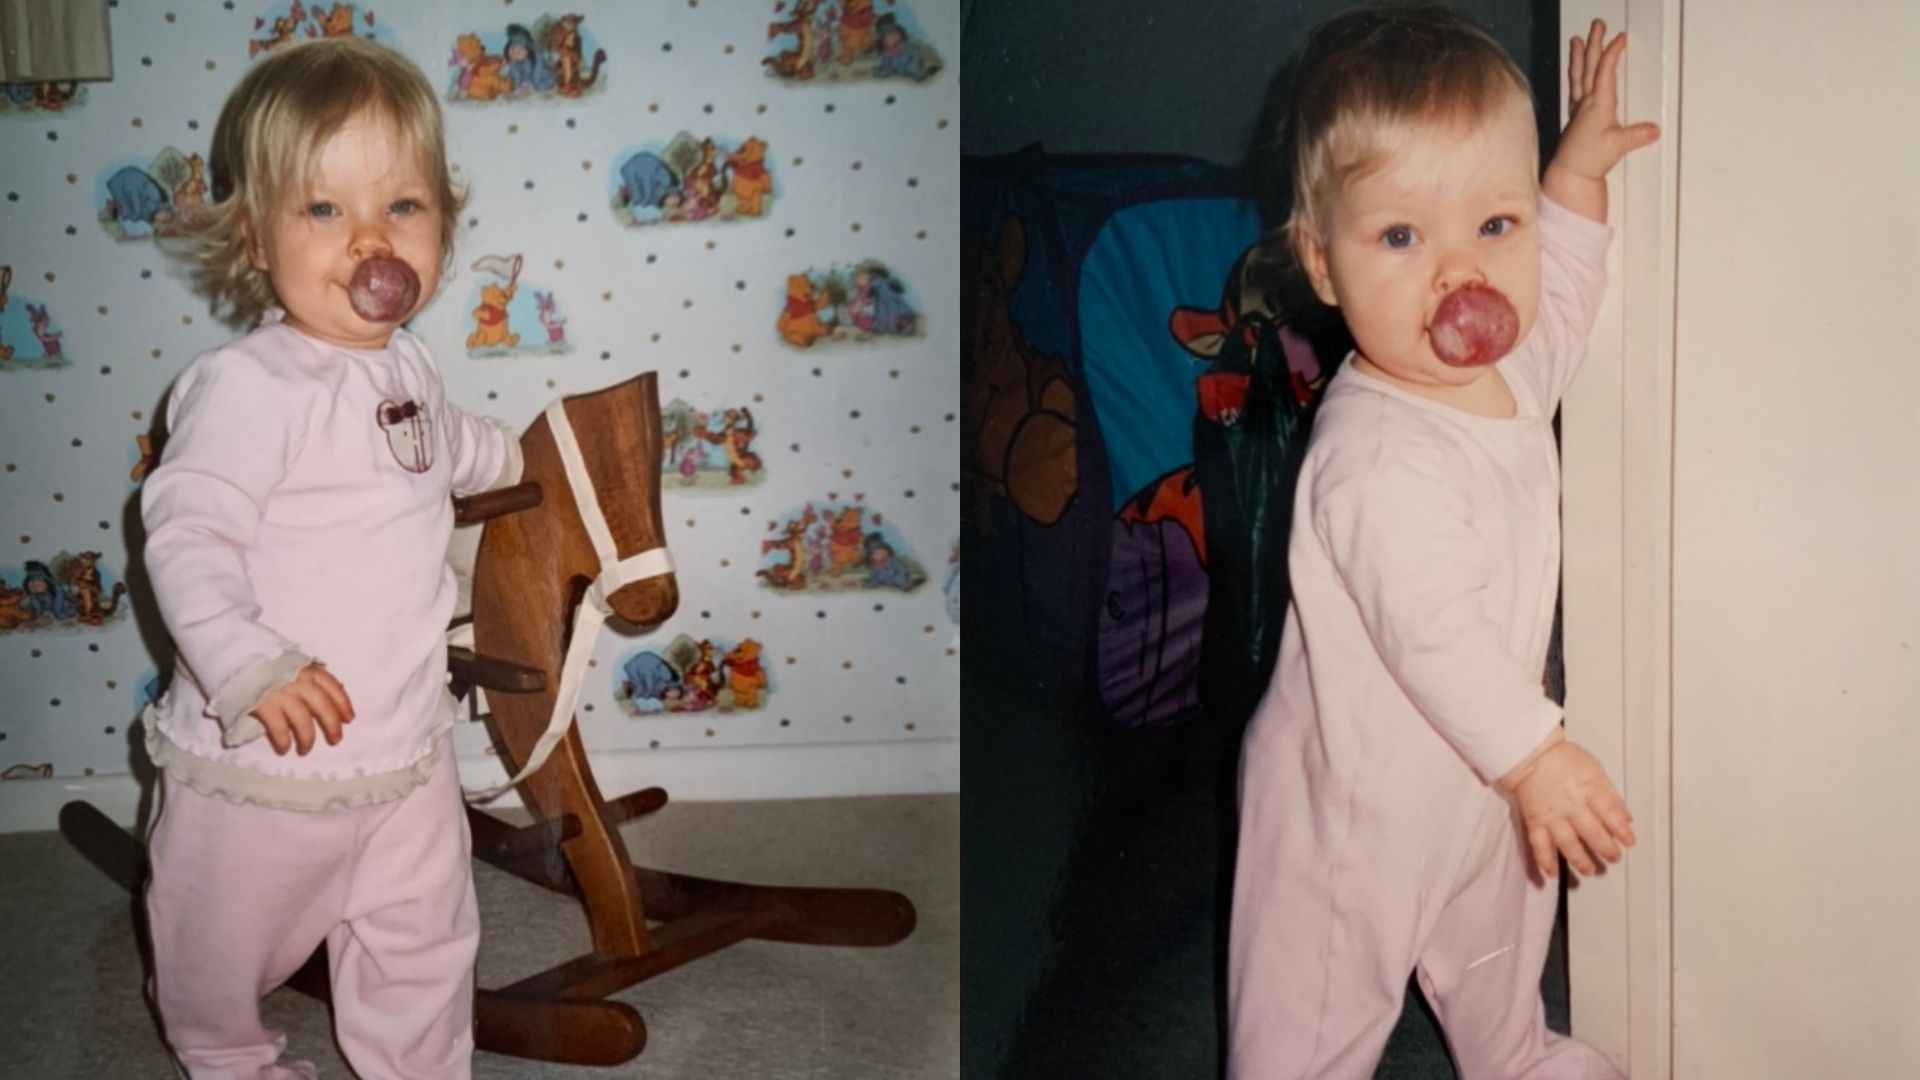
1345	884
241	896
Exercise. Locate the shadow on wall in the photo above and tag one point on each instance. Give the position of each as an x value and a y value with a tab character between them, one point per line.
1266	177
146	610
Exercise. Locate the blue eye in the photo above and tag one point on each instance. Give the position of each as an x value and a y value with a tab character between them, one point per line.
405	206
323	210
1496	226
1397	236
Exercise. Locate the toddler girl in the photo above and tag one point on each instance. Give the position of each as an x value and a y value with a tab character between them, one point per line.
1405	768
298	526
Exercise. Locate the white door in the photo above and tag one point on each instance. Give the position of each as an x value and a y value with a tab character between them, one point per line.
1743	548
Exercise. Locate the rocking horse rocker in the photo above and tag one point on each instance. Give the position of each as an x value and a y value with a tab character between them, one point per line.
549	570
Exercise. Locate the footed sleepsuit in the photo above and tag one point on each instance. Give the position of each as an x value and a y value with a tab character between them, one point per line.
300	512
1425	560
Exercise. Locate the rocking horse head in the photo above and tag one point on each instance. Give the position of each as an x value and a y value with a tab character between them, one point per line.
546	579
596	457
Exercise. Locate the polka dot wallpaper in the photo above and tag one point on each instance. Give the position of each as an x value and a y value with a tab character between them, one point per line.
664	187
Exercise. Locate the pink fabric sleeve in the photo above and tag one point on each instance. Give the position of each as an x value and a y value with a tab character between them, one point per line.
485	454
233	427
1400	539
1573	281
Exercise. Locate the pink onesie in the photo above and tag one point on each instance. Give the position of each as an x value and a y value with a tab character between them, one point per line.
1425	559
301	512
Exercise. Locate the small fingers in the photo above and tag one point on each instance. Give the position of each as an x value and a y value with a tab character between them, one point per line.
1596	837
276	726
288	727
1619	824
1576	73
1596	53
336	693
320	709
1635	136
1606	70
330	723
1544	857
301	724
1568	841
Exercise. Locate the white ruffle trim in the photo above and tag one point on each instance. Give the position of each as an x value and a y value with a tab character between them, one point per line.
238	783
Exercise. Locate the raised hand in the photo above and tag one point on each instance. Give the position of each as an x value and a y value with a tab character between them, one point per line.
290	712
1594	140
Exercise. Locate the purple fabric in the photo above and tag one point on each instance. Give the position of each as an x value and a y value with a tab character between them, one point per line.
1156	603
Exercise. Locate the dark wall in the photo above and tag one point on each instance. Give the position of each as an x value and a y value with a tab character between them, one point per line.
1154	76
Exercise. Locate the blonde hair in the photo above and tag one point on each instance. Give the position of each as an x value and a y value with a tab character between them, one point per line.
271	129
1367	75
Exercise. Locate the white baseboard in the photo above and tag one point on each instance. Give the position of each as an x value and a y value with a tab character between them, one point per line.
919	767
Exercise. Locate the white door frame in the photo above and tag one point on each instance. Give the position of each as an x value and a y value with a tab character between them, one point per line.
1617	453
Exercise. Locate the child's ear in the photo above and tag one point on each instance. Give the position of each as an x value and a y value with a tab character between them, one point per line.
1312	255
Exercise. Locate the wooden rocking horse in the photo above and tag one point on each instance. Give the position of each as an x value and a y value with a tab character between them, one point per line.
579	539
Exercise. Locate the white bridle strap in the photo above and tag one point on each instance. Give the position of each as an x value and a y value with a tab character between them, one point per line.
615	573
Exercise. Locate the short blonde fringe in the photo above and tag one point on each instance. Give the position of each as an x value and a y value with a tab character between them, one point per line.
271	128
1367	75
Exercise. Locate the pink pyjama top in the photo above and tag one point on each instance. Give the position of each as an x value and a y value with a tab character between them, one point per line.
1425	553
301	511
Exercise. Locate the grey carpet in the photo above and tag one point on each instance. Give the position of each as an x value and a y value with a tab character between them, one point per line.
71	1005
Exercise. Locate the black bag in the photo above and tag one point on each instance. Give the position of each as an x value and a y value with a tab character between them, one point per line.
1248	437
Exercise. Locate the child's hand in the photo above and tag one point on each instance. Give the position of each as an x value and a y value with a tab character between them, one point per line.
1595	140
1567	805
290	712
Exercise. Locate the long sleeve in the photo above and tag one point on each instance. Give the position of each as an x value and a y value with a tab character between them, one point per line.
1401	538
485	452
465	432
1573	281
234	427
